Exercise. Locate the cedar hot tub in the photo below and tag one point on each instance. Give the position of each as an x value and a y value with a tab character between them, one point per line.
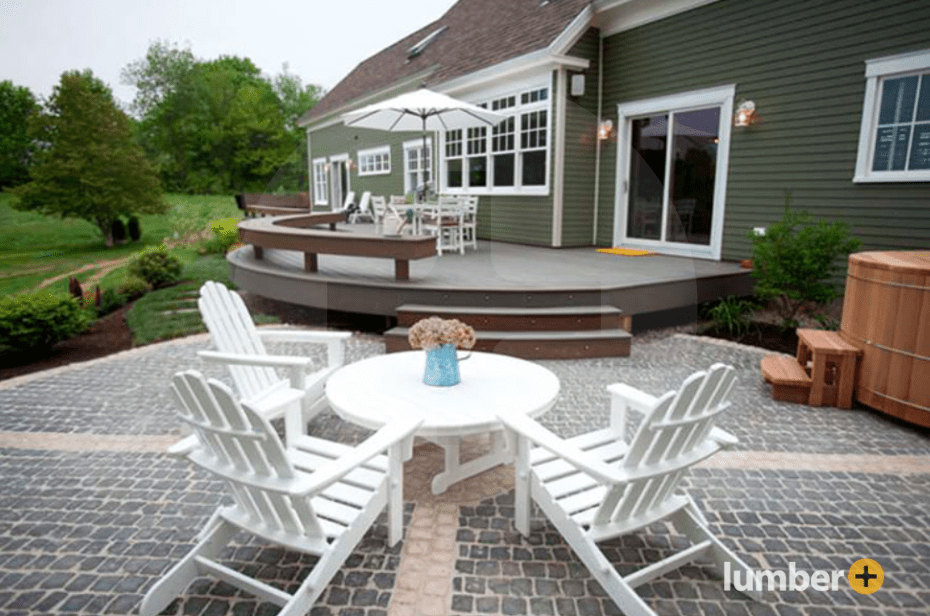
886	313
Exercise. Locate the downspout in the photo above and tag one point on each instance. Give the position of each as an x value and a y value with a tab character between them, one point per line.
597	138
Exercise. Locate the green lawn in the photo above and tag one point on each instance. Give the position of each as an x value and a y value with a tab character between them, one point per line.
34	248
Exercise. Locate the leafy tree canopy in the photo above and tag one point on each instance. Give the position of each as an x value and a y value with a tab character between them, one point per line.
16	105
87	165
218	125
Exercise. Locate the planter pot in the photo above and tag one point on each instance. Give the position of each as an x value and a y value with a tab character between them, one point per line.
442	366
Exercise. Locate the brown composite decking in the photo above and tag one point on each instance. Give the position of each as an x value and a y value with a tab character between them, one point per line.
496	275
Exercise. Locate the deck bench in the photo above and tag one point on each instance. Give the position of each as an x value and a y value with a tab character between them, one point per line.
303	233
273	205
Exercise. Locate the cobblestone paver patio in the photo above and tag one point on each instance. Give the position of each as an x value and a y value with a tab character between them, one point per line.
92	512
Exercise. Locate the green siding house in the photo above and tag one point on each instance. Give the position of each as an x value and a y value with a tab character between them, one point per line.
679	126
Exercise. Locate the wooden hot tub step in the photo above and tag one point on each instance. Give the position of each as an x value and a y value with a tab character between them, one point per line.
536	344
790	383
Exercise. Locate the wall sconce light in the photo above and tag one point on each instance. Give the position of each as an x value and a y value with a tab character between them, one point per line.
745	113
605	129
350	164
326	167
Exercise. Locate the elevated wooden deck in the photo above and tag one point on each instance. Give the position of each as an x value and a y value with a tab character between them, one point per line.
496	275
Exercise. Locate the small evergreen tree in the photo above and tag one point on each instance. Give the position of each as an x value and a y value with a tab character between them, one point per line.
88	165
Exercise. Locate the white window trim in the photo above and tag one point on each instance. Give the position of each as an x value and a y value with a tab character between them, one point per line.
875	71
385	149
317	198
486	96
721	96
415	144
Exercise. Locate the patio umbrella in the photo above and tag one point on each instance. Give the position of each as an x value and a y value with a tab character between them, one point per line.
422	110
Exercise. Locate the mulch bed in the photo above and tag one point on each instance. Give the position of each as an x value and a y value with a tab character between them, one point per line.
109	334
765	335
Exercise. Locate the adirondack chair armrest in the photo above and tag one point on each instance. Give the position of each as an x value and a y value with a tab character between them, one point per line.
334	341
531	430
296	366
624	398
723	437
386	438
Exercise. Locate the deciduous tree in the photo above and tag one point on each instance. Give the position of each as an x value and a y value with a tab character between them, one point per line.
16	105
87	165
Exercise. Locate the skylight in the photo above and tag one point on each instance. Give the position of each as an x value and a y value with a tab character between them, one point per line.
419	47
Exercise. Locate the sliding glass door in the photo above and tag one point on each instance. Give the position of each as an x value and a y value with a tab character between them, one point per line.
670	170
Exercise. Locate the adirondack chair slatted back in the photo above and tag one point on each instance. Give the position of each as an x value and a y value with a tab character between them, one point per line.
233	331
669	441
242	448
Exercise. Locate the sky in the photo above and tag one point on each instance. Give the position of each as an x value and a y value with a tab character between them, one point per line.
320	41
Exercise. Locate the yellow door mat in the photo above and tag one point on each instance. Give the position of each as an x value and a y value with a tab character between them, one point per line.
626	252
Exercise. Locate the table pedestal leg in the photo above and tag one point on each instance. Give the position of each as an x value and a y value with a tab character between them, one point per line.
456	471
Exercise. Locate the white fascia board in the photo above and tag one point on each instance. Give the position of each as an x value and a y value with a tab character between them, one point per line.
899	63
570	35
613	16
538	62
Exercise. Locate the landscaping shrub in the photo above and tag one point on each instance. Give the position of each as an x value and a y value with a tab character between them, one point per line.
796	263
732	315
225	235
135	231
36	321
119	231
110	300
133	288
157	267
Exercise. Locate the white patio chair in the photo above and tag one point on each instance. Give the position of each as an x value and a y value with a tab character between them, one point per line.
316	497
378	210
469	205
240	345
349	200
444	220
364	210
594	488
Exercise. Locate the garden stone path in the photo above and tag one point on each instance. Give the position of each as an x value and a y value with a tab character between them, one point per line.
93	512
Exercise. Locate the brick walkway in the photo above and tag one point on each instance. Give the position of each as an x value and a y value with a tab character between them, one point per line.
92	513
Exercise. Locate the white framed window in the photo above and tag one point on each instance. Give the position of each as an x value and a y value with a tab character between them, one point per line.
320	182
375	161
894	139
511	158
417	164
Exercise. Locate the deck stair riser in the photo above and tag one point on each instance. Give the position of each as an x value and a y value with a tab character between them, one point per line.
531	333
573	318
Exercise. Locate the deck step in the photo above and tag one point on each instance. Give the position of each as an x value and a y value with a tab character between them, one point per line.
570	318
790	382
613	342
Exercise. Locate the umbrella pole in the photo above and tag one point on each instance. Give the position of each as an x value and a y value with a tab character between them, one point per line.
424	158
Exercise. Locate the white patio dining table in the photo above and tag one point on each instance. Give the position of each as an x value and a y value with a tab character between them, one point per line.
376	391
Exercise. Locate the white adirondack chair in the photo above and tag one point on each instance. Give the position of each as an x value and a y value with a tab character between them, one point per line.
317	497
594	487
364	209
240	345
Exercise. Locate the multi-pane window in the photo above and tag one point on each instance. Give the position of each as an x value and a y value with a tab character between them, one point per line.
894	142
508	157
320	184
902	137
533	131
417	165
477	156
454	158
375	161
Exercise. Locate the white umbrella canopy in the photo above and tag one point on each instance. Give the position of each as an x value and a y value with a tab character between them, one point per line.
421	110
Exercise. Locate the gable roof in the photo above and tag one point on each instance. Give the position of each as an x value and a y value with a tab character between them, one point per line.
477	34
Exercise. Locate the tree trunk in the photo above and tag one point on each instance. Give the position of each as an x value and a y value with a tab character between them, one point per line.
106	229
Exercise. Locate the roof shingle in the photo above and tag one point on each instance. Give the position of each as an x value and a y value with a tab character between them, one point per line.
479	33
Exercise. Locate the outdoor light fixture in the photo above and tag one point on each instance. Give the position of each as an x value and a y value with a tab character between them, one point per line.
605	129
745	113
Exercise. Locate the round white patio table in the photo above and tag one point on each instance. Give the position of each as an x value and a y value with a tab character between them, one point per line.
377	390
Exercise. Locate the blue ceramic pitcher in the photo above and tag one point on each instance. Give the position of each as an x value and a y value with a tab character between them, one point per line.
442	366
